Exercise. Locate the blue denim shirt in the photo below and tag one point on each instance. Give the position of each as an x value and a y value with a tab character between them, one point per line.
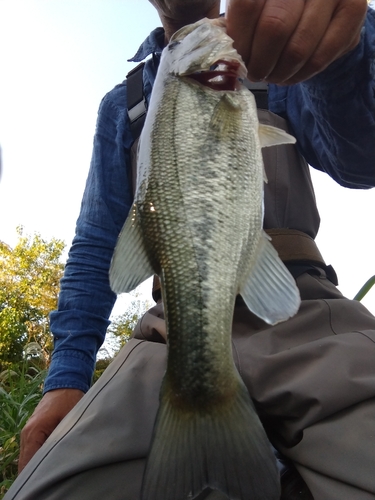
333	118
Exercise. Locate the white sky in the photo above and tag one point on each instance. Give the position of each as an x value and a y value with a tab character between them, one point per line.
58	58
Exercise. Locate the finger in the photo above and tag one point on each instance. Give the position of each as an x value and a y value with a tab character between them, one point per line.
275	26
241	20
302	44
342	36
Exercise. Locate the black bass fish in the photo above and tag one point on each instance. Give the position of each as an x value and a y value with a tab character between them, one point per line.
196	222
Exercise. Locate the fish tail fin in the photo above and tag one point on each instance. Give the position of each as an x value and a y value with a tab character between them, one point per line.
226	449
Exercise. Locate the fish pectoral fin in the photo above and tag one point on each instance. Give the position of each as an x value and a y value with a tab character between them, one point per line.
270	291
226	111
224	448
272	136
130	264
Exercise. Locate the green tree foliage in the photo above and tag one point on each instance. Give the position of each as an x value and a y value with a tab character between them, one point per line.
119	332
29	282
122	326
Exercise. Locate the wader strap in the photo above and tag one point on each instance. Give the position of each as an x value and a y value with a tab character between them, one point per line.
133	160
260	91
294	245
136	100
156	288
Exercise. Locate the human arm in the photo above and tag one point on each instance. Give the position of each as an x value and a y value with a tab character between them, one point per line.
86	300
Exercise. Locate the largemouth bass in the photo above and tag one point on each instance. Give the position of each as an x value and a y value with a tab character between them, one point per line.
196	221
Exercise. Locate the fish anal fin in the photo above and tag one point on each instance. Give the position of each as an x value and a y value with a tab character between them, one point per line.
130	264
270	291
226	450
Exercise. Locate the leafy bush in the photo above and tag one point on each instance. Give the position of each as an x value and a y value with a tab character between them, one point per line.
20	392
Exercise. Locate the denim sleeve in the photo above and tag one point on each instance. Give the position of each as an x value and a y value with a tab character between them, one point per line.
332	115
86	300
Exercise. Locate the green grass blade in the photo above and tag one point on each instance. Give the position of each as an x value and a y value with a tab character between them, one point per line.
365	289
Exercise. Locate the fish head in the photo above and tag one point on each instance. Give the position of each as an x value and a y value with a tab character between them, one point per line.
204	52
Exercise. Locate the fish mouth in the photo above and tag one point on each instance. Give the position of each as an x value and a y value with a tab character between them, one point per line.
222	76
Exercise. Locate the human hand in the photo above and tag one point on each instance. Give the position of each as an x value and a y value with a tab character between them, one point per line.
288	41
47	415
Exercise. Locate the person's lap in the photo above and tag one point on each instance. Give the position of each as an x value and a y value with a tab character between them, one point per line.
312	379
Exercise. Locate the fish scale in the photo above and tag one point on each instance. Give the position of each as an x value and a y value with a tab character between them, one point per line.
197	223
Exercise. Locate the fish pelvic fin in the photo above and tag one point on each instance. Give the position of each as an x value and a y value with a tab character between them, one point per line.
270	291
130	264
272	136
226	449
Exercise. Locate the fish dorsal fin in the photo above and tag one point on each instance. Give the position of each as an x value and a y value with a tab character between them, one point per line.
272	136
130	264
270	291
